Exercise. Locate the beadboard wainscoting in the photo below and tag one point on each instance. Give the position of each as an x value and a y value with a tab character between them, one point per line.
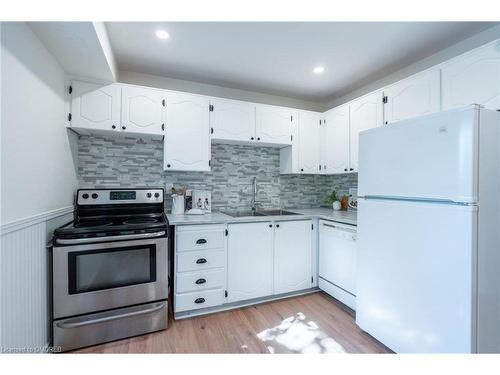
24	305
121	161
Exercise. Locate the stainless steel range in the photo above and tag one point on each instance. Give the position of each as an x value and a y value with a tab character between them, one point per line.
110	268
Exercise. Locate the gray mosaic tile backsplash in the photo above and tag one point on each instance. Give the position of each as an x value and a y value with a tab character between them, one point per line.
120	161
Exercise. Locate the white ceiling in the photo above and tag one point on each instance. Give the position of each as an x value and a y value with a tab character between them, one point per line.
278	58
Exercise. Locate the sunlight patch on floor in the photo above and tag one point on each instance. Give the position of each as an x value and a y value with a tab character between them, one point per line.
296	334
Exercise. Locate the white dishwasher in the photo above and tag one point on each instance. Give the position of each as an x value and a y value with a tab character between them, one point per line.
337	261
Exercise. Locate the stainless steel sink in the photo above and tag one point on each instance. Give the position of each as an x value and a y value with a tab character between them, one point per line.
277	212
242	213
246	213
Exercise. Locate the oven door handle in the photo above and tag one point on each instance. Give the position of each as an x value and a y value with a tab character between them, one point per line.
138	236
82	322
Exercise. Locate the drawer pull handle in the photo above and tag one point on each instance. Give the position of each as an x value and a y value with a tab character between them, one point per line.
201	240
201	261
200	281
199	300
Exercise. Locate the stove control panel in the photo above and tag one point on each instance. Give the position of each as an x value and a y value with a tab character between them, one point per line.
119	196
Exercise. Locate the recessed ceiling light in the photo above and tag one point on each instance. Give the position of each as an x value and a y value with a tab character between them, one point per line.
318	69
162	34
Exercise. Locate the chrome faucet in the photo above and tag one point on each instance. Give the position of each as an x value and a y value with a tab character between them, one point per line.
254	196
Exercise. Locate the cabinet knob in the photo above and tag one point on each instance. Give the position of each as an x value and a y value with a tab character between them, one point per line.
258	138
270	225
351	169
168	165
124	127
277	225
252	138
201	261
302	169
113	126
345	169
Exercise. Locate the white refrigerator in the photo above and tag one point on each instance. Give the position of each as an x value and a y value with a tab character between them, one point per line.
428	273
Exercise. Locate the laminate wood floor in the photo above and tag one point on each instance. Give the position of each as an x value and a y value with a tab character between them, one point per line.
313	323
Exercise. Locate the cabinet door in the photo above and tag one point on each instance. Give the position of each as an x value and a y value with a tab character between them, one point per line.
413	97
250	261
143	110
274	124
335	141
309	142
473	78
292	256
95	106
187	139
365	113
232	120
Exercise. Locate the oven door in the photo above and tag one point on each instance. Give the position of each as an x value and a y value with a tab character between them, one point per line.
102	276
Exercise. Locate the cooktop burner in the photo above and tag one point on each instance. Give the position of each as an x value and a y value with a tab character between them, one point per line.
93	223
142	220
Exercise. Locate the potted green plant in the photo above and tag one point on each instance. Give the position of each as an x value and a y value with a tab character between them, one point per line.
333	200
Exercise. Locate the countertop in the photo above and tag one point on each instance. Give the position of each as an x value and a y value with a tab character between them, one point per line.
346	217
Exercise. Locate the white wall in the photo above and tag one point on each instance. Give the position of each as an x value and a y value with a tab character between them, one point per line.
457	49
38	167
212	90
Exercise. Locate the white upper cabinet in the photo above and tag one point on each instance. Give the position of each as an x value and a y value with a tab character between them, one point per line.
187	138
143	110
274	124
309	142
365	113
413	97
95	106
232	120
292	256
473	78
334	142
249	263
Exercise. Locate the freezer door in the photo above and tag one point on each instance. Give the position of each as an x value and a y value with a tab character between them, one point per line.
416	275
430	157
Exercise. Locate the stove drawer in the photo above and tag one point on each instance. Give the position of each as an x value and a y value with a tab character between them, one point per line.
200	260
199	237
203	280
199	300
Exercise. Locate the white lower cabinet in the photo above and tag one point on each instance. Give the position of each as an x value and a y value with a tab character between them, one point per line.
199	267
292	256
256	260
249	261
337	261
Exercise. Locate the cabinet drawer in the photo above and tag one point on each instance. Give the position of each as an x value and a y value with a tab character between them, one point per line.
200	260
203	280
199	239
198	300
